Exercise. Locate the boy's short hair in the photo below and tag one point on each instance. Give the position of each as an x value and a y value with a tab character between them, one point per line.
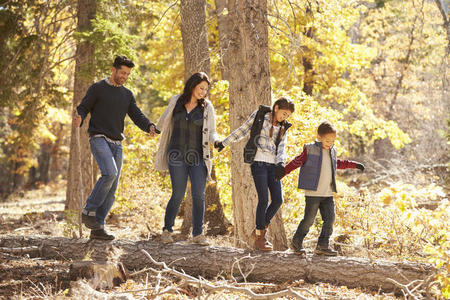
325	128
122	60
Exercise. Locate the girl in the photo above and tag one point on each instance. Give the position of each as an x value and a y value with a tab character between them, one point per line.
188	127
265	152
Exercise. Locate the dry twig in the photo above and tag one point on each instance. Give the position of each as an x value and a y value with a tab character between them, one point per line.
205	285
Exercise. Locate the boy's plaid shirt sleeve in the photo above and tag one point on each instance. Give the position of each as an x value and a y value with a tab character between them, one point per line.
239	133
281	154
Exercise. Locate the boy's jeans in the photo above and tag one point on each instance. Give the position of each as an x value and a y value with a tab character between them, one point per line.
109	159
179	172
326	207
264	178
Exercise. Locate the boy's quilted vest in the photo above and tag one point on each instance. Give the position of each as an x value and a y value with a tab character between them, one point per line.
310	171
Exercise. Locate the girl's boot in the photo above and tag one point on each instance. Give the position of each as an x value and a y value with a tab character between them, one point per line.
261	242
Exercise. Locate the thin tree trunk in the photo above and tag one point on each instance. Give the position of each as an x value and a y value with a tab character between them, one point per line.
196	59
56	153
224	38
277	267
80	155
44	161
247	65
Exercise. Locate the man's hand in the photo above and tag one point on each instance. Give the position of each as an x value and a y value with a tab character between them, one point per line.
76	121
360	166
153	130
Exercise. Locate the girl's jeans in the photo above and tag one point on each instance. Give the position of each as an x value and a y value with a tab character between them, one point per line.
264	177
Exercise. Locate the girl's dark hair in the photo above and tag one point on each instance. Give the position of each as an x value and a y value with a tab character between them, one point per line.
325	128
190	85
282	103
122	60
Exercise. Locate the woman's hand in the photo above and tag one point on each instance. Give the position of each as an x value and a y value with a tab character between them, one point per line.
219	146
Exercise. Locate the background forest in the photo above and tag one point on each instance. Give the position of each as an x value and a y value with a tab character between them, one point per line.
377	69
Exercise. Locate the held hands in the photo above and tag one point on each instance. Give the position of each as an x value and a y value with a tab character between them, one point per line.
360	166
219	146
153	131
279	171
76	121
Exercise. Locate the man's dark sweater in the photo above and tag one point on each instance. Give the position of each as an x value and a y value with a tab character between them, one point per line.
108	106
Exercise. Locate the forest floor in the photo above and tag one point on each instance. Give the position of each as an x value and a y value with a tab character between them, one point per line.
40	212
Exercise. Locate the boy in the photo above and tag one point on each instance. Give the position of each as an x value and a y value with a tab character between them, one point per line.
317	177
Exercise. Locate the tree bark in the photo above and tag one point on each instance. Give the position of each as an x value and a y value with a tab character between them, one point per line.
211	261
80	155
247	66
224	38
196	59
194	35
308	67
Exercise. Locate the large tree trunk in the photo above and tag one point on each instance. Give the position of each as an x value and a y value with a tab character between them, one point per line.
195	37
247	65
224	38
80	178
277	267
196	59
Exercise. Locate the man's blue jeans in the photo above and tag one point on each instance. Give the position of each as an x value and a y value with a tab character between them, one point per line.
264	177
326	207
179	172
109	160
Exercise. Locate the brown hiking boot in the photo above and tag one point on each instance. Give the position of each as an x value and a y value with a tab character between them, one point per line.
267	232
166	237
101	234
325	250
297	246
261	242
88	218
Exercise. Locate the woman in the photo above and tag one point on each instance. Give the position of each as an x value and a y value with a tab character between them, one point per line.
188	127
265	152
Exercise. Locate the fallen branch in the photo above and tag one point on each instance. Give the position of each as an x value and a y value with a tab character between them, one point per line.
214	261
203	284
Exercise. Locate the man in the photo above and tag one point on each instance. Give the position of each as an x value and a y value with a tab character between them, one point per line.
108	101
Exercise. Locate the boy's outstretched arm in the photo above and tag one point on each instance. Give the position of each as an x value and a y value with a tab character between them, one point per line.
296	162
349	164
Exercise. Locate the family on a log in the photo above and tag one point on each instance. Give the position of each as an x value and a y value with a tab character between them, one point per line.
188	128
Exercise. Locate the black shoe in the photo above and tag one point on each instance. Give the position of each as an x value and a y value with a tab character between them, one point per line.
325	250
100	234
90	221
297	246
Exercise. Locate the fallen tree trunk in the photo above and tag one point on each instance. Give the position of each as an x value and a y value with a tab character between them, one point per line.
229	262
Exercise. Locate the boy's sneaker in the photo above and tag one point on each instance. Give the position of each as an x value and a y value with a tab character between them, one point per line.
100	234
88	219
325	250
297	246
166	237
200	239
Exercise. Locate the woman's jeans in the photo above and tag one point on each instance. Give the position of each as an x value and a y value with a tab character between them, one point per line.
326	207
109	159
179	172
264	177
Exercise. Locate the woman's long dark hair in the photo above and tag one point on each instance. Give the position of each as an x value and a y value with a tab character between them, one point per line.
282	103
190	85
